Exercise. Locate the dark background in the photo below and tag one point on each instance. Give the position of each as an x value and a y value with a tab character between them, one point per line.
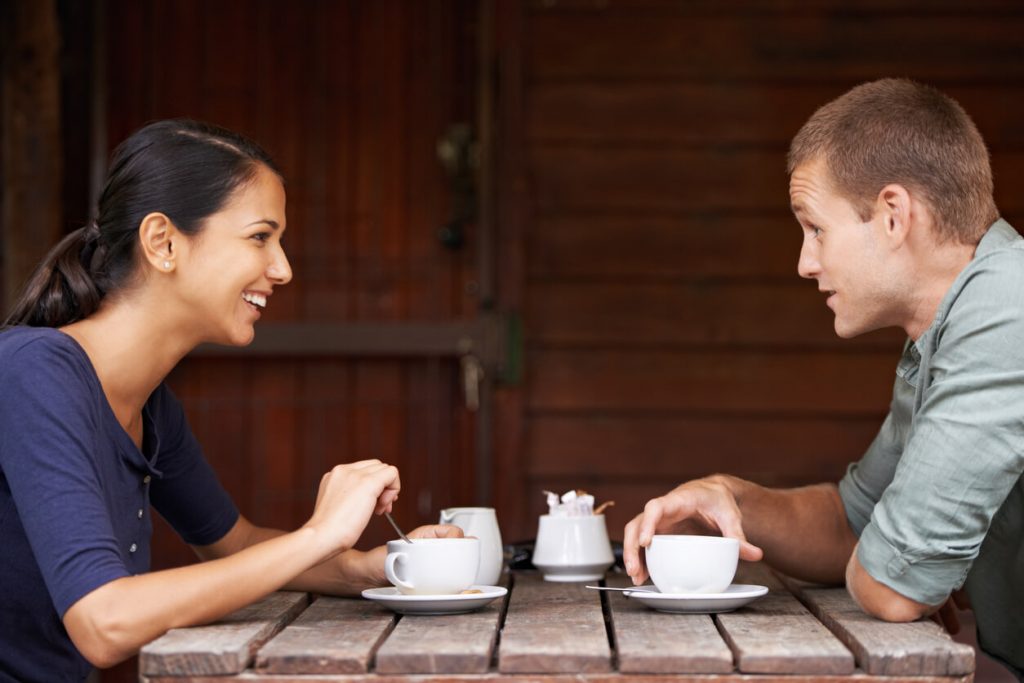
631	242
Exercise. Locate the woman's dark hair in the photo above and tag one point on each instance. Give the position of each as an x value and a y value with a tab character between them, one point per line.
185	169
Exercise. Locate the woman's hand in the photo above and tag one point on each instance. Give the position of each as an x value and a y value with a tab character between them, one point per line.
436	531
349	495
371	563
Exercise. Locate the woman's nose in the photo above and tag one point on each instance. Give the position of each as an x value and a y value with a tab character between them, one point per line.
280	271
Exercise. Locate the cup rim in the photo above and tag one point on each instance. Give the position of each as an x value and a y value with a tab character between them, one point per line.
600	516
466	508
433	541
695	538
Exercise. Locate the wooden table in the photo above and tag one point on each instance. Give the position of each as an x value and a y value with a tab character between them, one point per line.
560	632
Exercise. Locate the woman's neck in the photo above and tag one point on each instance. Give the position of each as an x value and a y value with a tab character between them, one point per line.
132	348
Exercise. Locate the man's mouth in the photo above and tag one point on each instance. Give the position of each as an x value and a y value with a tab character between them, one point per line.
259	301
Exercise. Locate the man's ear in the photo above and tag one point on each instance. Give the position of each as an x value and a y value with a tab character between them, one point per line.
894	205
159	237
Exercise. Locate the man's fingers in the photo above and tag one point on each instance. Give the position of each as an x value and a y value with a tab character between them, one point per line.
649	521
728	522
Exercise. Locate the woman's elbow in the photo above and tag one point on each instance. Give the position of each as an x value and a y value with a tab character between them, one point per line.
99	637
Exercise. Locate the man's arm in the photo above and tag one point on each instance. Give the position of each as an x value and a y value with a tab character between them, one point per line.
879	600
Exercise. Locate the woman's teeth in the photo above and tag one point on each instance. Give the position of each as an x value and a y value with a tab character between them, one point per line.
257	300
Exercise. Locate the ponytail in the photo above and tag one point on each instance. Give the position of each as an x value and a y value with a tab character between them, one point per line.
61	289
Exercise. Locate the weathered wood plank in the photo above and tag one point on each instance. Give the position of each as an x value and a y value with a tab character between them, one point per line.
886	649
455	644
652	642
555	678
225	647
333	635
776	634
553	628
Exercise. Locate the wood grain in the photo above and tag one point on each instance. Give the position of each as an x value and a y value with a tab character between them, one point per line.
614	178
708	113
652	642
553	628
776	634
888	649
671	447
798	43
711	382
448	644
226	647
333	635
678	314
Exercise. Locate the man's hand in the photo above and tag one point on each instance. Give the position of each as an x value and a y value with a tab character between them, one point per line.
707	504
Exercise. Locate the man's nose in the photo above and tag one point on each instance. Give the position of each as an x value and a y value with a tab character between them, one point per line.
807	266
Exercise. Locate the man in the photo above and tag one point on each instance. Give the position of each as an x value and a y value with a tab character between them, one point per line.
892	187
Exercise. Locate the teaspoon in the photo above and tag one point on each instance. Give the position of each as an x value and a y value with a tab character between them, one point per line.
392	520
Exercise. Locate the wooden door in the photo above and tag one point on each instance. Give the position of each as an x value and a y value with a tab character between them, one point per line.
356	358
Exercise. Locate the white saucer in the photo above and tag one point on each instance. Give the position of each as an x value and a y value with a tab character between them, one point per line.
735	596
434	604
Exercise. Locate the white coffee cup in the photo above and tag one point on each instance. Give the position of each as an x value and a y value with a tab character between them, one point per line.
432	566
692	564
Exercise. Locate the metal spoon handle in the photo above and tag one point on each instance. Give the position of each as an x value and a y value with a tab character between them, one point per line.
392	520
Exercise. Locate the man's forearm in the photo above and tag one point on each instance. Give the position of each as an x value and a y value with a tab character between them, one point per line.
803	531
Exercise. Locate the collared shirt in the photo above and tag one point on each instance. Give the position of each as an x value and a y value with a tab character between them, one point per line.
938	498
75	496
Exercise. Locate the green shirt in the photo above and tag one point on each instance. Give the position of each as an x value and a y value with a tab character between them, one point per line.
938	498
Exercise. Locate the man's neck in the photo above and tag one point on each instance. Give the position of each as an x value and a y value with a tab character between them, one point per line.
935	274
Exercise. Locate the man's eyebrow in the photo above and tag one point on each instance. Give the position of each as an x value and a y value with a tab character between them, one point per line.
274	225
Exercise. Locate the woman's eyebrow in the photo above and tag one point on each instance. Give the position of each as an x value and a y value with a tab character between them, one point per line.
273	224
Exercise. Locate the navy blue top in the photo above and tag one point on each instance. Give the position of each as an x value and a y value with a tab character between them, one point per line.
75	494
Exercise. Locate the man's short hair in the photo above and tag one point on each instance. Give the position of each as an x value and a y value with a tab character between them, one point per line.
897	131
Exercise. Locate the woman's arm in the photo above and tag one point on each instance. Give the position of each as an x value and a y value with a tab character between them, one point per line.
347	573
112	622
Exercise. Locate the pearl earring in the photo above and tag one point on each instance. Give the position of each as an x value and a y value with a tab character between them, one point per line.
167	264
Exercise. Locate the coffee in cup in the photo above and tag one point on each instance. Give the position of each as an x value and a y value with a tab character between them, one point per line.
692	564
432	566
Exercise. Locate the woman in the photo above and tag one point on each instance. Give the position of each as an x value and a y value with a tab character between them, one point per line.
186	249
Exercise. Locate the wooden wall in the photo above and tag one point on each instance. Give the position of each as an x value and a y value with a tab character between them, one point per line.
668	334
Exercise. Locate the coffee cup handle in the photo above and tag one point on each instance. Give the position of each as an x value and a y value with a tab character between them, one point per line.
389	571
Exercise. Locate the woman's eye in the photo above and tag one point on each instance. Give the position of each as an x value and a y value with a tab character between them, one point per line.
261	236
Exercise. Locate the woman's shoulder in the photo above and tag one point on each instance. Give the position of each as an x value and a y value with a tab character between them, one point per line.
33	350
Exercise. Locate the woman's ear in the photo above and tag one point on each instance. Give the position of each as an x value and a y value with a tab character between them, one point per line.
158	237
